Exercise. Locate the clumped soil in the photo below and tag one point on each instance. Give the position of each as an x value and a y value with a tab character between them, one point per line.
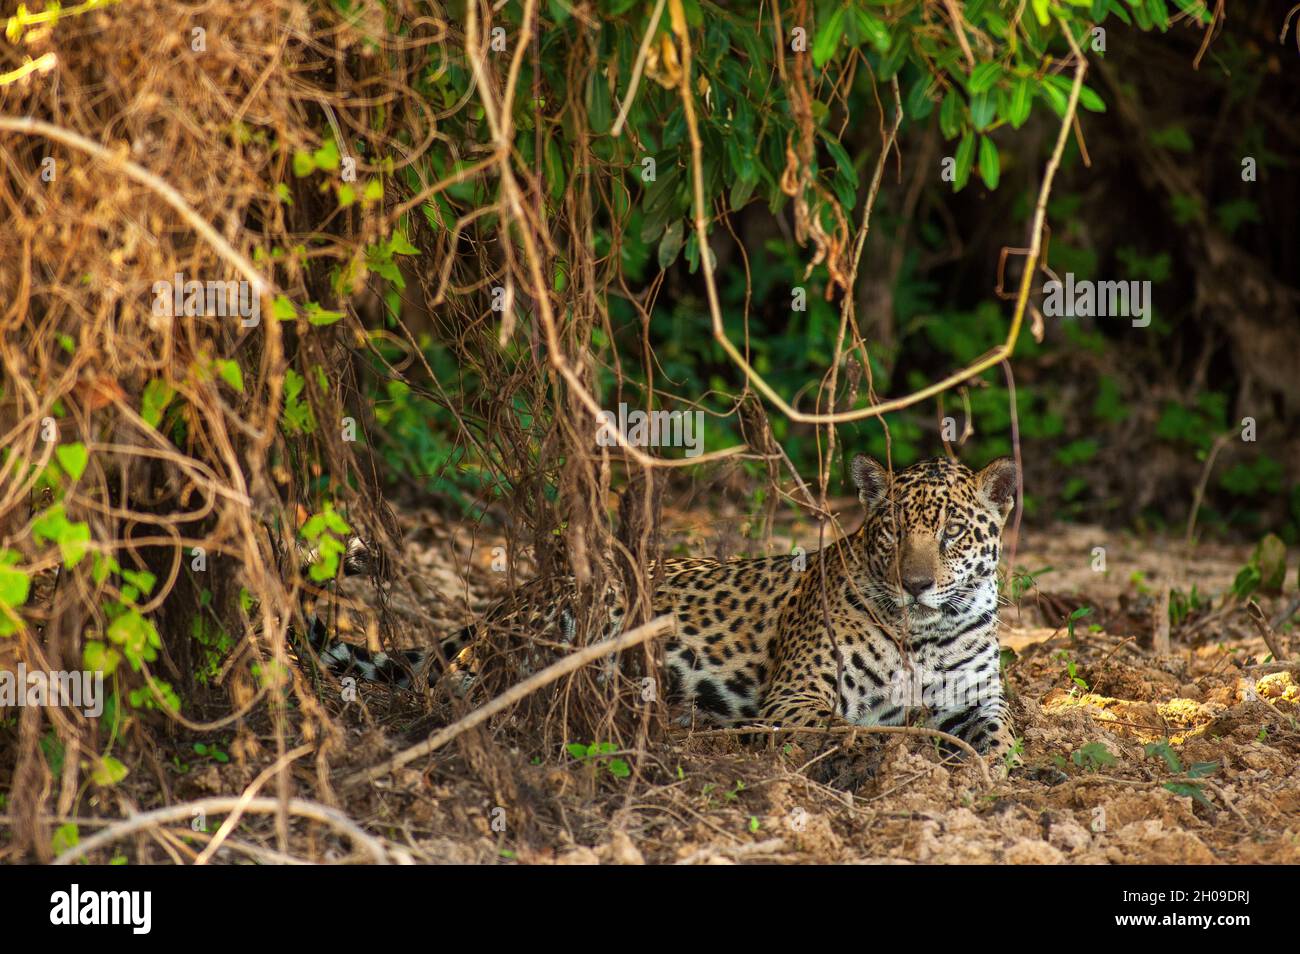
1129	756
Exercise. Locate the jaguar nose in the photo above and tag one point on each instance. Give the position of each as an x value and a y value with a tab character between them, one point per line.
916	585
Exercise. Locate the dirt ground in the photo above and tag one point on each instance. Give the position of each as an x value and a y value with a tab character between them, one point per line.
1129	756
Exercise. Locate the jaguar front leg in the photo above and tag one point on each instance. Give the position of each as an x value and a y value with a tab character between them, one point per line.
790	707
985	725
972	706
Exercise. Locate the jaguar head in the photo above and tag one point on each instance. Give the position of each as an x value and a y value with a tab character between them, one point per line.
933	532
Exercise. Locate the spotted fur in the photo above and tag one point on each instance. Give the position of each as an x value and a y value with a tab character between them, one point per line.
895	623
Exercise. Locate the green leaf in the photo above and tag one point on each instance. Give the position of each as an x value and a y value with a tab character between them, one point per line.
137	637
876	32
72	538
577	750
983	77
329	549
1159	14
828	38
950	114
231	374
1055	98
1022	98
72	458
1094	754
1041	12
600	112
14	589
15	585
1088	97
143	580
1162	750
401	245
65	837
619	769
990	165
99	657
153	402
334	522
965	156
1189	790
317	315
327	156
842	160
282	309
303	164
983	109
1195	8
1090	100
670	244
108	771
553	168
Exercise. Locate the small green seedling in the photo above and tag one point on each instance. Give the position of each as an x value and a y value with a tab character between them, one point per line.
596	755
1184	785
1092	757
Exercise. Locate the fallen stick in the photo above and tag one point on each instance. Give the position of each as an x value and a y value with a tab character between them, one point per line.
1160	640
1265	630
557	669
216	806
249	794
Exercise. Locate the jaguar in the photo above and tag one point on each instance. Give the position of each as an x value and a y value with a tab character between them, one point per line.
895	623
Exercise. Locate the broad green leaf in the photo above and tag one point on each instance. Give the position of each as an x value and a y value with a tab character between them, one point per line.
983	77
157	395
14	589
65	837
1189	790
141	579
950	114
282	309
983	108
327	156
1088	97
108	771
231	373
72	458
401	245
990	165
1022	98
965	156
99	657
828	38
317	315
670	244
876	32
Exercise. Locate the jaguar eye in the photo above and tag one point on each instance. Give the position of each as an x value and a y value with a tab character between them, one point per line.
953	532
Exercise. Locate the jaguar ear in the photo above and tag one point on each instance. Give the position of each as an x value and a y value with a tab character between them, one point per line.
871	479
996	485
